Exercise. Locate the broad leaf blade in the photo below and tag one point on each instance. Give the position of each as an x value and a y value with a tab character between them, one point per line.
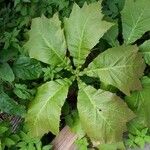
44	112
6	72
135	19
103	115
83	30
47	42
145	49
119	66
139	102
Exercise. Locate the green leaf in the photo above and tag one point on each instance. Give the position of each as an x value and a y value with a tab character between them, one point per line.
47	41
135	125
16	2
112	8
51	73
9	142
82	144
3	129
26	1
21	144
114	146
139	102
26	68
6	72
15	137
145	49
130	143
103	115
147	139
140	141
6	55
119	66
135	19
44	111
1	145
111	36
144	132
83	29
47	147
31	146
23	92
73	121
9	106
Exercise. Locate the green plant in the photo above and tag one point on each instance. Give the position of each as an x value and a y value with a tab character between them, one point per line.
83	71
19	140
138	138
100	111
112	8
7	139
30	143
82	144
139	103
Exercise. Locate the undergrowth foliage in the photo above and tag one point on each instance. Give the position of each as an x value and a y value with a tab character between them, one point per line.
81	64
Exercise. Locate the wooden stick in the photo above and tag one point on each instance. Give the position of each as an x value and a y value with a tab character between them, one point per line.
65	140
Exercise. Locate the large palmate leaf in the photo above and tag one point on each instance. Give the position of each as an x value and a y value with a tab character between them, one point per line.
6	72
103	115
119	66
139	102
44	112
83	30
135	19
145	49
46	41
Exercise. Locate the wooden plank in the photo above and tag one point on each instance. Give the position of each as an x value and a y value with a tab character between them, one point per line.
65	140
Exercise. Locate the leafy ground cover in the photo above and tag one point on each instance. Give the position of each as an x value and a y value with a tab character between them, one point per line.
84	64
